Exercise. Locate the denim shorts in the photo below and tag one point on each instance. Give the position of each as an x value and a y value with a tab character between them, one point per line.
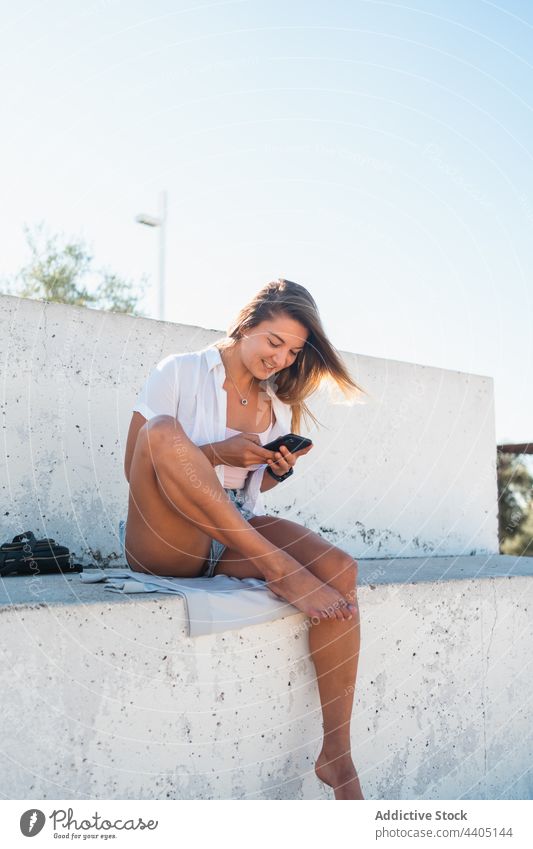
217	548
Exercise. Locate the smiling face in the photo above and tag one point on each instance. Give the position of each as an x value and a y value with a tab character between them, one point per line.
272	345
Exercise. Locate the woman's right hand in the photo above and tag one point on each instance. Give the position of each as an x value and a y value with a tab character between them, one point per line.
243	450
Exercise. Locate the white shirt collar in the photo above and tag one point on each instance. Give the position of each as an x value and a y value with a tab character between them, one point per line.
213	357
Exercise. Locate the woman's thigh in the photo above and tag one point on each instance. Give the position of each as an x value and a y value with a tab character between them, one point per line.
326	561
158	539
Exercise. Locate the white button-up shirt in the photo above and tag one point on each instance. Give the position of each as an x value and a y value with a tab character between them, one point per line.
189	387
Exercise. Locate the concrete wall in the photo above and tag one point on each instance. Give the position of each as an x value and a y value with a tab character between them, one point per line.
410	472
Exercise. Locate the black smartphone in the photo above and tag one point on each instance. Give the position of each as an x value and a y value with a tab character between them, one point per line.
293	442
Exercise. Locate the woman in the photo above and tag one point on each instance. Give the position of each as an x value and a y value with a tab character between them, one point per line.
196	469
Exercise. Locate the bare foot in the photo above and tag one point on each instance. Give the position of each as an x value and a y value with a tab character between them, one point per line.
308	593
339	772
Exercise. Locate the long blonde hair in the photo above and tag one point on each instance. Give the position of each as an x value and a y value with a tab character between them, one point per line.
317	361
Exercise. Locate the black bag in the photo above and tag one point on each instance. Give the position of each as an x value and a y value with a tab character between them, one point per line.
26	555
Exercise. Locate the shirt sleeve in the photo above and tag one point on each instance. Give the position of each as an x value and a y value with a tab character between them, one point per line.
159	395
253	497
252	488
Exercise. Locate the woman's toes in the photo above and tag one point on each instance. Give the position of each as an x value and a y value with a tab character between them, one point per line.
351	607
341	611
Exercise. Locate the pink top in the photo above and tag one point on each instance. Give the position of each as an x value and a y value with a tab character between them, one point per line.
235	476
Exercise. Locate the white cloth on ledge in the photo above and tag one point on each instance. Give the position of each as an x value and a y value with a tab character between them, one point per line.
219	603
216	604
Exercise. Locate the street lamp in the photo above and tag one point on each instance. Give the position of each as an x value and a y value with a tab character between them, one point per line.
159	221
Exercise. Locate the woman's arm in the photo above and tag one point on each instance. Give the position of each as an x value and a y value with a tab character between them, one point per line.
211	452
282	466
268	482
158	396
137	421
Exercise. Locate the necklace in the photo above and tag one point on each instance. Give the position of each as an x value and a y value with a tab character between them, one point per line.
244	401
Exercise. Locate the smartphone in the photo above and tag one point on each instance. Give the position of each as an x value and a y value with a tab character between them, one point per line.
291	440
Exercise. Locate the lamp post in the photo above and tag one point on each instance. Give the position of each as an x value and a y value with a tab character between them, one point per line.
159	221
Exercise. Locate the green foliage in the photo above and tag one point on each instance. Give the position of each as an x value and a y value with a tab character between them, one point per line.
59	270
522	542
515	498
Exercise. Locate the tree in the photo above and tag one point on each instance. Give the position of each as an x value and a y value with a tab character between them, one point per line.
58	270
522	542
515	519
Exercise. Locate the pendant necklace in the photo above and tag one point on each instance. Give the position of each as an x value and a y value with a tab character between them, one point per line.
244	401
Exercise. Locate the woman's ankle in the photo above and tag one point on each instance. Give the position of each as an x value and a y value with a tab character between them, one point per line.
336	749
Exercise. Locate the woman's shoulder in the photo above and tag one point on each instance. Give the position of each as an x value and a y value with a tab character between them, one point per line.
184	358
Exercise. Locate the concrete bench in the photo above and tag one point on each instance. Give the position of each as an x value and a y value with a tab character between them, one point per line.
106	697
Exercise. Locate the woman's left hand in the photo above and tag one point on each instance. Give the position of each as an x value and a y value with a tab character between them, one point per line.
286	459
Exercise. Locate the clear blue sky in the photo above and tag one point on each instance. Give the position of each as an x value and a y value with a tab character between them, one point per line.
379	153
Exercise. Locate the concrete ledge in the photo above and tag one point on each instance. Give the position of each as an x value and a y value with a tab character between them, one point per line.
58	589
106	697
414	570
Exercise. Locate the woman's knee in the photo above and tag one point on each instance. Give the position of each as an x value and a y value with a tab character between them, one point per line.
344	573
162	433
162	424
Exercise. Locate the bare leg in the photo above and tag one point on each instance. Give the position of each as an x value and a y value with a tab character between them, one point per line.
334	646
189	485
